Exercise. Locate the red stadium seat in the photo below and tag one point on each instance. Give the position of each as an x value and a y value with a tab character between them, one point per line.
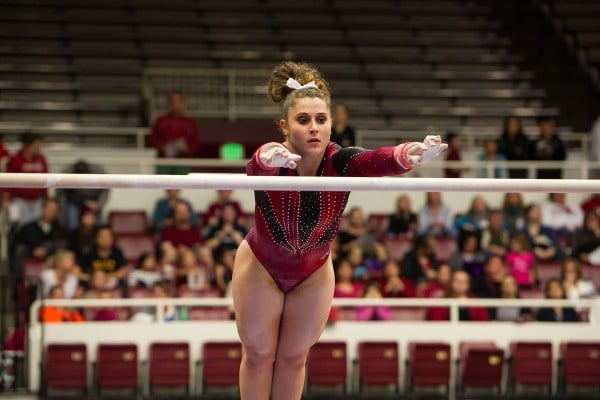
378	364
327	366
169	367
32	270
397	246
482	364
531	364
548	270
66	369
117	368
221	365
134	221
429	365
133	245
444	247
581	364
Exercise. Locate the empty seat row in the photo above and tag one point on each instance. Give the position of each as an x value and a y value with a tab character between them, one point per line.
378	364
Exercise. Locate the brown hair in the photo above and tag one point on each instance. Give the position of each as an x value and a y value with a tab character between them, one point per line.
303	73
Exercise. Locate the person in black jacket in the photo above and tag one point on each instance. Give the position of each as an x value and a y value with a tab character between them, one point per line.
548	147
555	291
515	146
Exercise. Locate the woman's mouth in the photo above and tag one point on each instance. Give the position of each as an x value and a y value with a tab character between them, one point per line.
314	140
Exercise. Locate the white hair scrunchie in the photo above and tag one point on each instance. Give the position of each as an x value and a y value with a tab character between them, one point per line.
294	84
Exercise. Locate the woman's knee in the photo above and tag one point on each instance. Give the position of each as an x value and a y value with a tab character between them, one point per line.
291	359
257	356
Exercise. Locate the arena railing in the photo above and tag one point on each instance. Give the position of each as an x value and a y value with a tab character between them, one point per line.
197	332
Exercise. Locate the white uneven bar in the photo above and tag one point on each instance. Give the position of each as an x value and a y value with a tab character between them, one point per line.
241	181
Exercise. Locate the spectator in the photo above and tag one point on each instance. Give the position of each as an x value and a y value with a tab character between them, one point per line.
224	270
574	285
341	132
146	272
586	240
557	214
345	284
542	239
468	257
105	256
215	209
39	239
58	314
99	282
419	264
25	204
435	218
495	237
548	147
513	208
521	261
74	202
439	286
373	313
359	244
227	234
181	234
403	221
510	290
393	283
160	290
60	273
104	314
555	291
174	135
459	288
189	271
488	285
82	240
592	203
491	155
476	218
515	146
162	216
453	154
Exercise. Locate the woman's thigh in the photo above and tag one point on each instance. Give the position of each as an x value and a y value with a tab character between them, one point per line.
305	312
257	301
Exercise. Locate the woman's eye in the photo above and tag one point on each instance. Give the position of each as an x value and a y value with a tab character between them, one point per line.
322	120
303	120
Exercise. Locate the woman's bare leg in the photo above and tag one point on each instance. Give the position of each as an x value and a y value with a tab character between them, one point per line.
258	304
305	314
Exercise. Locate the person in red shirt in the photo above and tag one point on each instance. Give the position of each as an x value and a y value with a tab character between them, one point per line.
393	284
215	209
25	204
175	135
459	288
181	235
453	154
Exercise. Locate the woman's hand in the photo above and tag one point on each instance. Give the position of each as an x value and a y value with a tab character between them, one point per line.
421	153
277	156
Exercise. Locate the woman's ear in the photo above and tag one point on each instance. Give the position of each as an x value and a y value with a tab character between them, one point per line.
283	126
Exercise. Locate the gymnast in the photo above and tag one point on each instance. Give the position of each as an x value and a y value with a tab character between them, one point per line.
283	276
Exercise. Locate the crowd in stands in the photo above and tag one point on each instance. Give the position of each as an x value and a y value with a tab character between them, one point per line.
436	251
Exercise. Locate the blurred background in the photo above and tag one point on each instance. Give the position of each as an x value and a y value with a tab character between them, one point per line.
176	87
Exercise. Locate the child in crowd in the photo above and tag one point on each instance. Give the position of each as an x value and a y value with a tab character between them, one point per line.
372	290
521	261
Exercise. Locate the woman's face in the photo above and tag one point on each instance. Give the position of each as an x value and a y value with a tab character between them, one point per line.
308	126
444	274
509	287
391	269
470	244
512	126
570	271
513	199
479	206
149	263
345	272
460	284
555	290
534	214
66	263
403	203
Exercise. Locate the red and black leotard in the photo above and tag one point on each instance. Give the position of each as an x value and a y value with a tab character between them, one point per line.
294	229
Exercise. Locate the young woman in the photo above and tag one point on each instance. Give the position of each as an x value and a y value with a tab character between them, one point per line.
283	277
